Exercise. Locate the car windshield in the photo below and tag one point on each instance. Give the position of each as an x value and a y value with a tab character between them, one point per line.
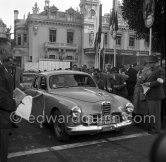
70	80
28	78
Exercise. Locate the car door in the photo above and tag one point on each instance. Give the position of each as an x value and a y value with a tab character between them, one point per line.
38	102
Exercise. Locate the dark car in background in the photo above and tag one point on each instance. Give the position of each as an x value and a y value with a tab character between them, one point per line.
27	79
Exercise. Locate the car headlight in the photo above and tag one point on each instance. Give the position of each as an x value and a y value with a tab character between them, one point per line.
129	107
76	111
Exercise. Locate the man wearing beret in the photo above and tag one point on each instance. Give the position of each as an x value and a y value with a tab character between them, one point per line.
155	94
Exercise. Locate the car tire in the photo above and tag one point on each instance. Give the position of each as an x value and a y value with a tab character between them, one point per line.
119	130
59	128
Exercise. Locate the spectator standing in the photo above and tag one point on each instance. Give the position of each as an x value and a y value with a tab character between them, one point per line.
108	68
84	69
131	77
16	72
90	71
103	76
122	71
137	66
139	99
97	79
17	75
7	106
75	67
117	83
155	94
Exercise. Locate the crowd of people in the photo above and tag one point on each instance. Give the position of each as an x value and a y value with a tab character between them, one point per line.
143	85
129	81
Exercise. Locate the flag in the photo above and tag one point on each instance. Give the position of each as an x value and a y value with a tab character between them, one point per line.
116	22
32	109
100	25
113	23
110	20
98	33
95	42
102	44
102	49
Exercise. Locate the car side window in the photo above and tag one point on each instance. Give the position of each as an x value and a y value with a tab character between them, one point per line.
43	83
89	82
35	83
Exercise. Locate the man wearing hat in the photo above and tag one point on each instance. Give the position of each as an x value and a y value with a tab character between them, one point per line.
131	78
117	83
155	94
7	105
97	78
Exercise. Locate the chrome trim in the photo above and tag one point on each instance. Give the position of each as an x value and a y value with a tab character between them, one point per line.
107	102
106	108
82	128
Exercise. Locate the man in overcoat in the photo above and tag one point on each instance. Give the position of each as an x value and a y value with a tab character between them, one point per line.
7	106
155	94
117	83
131	79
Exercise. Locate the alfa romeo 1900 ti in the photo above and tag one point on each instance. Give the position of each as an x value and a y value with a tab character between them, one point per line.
76	105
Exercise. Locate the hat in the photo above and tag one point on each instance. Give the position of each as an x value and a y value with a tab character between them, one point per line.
96	70
152	59
115	70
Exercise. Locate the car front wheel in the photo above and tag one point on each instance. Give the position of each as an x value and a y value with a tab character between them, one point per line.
59	127
119	130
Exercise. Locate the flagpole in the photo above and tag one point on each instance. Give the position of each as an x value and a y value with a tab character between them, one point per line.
100	35
103	60
96	58
148	16
114	26
99	57
115	52
103	53
150	42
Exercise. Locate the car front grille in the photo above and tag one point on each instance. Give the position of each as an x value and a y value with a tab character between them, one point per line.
106	108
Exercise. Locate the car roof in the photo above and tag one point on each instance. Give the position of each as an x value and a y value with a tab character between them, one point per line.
30	73
63	72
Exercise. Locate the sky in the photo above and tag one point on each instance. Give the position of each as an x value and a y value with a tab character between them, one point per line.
7	8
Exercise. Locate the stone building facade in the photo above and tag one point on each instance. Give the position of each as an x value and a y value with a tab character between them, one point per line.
69	36
5	43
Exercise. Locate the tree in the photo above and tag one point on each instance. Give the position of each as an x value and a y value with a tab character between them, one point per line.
132	12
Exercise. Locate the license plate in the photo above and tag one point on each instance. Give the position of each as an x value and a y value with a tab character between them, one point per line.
109	128
107	120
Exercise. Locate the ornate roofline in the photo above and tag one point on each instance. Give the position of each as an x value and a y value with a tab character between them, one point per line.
50	22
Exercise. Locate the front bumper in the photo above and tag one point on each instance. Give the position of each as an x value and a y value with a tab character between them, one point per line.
81	129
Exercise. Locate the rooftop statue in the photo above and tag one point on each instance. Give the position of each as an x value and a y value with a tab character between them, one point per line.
35	9
8	34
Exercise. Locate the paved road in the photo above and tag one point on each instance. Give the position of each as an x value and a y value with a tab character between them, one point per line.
29	143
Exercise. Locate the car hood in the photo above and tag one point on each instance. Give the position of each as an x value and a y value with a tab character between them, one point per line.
90	95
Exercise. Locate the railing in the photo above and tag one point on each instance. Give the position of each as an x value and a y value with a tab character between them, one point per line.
60	45
59	17
59	59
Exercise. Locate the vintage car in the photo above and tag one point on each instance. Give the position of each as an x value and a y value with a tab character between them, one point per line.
27	80
76	105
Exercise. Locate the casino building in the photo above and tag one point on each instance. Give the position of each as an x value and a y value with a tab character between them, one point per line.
69	36
5	41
